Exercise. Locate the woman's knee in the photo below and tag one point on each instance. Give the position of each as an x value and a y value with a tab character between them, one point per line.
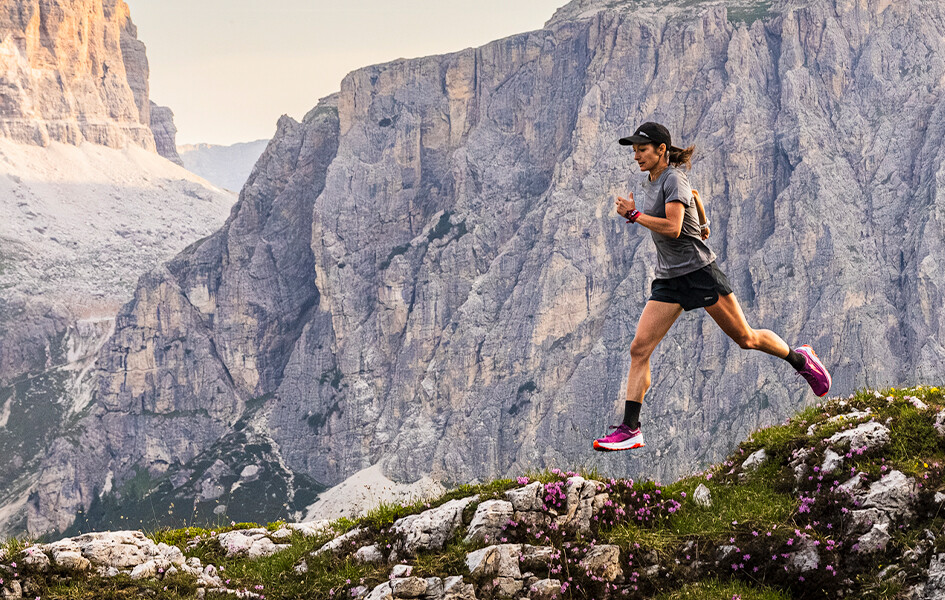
747	340
640	350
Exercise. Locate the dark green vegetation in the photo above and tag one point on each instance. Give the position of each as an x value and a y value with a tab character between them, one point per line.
671	548
146	502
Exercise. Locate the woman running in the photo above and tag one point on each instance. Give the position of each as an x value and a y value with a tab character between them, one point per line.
686	278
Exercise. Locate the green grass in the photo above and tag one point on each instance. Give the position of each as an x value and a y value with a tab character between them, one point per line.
752	505
716	589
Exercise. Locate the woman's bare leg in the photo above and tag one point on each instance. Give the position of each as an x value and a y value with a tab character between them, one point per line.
654	323
729	316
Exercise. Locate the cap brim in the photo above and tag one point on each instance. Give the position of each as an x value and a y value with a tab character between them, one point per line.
634	139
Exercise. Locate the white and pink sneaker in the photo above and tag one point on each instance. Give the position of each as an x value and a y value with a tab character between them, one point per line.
623	438
814	371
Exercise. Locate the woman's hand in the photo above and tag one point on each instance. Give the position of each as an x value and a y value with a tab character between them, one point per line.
705	233
625	207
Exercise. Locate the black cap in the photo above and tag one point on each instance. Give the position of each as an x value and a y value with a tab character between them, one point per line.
649	133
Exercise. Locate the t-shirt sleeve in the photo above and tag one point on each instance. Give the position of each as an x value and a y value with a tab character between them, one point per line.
678	189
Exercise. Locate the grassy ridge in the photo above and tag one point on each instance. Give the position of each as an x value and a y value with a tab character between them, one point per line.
671	548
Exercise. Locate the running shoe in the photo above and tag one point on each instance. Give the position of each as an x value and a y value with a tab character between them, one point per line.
623	438
814	371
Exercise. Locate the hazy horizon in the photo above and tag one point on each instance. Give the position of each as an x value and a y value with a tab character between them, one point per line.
230	68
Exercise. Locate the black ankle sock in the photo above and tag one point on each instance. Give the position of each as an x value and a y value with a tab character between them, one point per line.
631	414
797	360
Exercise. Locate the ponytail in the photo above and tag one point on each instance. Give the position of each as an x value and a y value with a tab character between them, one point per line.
682	157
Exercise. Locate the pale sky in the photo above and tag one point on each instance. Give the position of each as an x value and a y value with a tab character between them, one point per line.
229	68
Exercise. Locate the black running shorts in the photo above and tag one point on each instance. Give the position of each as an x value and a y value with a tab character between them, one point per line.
693	290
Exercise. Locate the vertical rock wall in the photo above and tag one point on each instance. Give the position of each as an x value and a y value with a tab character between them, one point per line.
72	71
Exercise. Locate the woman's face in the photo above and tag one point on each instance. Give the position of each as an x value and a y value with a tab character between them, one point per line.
647	155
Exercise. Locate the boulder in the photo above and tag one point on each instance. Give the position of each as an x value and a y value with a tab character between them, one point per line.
940	422
341	542
311	528
491	516
11	590
832	462
545	589
805	558
702	496
536	557
431	529
401	571
235	543
527	498
408	587
583	502
455	589
894	494
72	561
755	460
35	558
369	554
604	562
381	592
935	585
875	540
263	547
869	436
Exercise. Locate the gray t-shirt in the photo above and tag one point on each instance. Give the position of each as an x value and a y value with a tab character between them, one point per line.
687	253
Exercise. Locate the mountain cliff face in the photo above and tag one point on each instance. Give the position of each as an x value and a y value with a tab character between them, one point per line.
87	205
73	71
427	272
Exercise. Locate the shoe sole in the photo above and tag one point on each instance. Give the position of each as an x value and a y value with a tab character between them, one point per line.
826	372
607	448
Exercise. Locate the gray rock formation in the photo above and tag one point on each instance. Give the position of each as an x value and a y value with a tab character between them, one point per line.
427	271
165	133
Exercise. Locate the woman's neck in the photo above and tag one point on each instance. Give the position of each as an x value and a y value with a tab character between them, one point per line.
656	171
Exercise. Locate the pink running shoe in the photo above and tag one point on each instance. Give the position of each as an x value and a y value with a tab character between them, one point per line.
814	371
623	438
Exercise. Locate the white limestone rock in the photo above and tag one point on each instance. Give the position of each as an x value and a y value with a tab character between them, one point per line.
869	436
875	540
832	462
311	528
369	554
545	589
381	592
894	494
527	498
431	529
604	562
702	496
35	557
755	460
934	588
401	570
340	543
487	523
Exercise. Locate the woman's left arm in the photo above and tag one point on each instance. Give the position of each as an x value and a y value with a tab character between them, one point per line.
703	220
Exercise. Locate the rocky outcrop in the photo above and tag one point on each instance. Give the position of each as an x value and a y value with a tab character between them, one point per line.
165	133
449	292
73	71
